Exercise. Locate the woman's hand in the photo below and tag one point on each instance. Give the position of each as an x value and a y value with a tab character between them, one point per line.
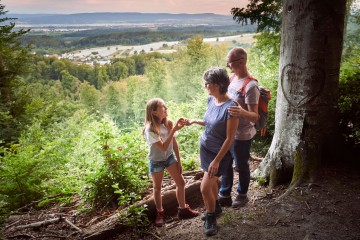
213	168
188	122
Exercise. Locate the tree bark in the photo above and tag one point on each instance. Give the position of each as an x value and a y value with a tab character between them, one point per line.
306	109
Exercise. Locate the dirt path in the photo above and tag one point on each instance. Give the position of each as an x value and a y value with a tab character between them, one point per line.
327	209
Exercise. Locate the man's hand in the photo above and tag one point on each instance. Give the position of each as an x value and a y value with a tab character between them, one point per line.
235	111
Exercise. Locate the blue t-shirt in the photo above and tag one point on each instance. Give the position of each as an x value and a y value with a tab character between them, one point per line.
215	119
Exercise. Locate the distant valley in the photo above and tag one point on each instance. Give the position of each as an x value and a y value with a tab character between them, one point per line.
64	33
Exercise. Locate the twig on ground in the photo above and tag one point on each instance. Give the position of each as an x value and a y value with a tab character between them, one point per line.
73	225
172	225
22	236
12	224
40	224
51	236
93	220
307	205
313	185
277	221
68	236
150	233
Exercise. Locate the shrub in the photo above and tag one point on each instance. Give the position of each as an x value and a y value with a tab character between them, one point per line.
124	166
349	103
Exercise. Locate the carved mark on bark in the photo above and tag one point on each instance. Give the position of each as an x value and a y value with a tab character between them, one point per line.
301	85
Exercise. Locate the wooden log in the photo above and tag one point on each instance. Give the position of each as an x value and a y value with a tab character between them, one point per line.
111	226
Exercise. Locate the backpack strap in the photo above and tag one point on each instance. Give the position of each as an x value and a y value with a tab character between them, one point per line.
247	80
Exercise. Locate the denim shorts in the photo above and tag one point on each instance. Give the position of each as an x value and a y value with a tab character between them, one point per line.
155	167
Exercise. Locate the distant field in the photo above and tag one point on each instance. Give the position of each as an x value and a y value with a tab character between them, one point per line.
108	52
243	40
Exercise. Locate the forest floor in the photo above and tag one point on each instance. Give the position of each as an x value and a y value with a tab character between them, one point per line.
328	208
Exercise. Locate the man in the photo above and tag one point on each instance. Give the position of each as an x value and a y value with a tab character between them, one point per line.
247	111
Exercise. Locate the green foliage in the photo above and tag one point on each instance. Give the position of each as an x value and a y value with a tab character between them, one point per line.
349	85
89	97
265	13
118	168
190	164
156	74
13	61
133	215
35	163
187	69
262	181
113	101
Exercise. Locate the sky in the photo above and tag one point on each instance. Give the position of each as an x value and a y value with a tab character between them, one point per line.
146	6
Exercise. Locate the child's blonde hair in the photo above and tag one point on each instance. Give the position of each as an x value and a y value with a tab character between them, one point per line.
151	120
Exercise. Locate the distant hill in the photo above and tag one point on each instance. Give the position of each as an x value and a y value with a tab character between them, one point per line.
122	18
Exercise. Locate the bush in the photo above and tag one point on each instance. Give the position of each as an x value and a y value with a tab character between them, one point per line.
125	167
349	103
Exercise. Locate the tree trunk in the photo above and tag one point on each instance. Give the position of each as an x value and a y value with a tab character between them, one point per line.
306	109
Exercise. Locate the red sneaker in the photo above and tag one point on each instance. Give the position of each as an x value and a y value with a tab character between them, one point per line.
159	220
187	212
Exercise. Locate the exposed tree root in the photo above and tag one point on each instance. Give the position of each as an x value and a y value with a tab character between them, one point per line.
289	190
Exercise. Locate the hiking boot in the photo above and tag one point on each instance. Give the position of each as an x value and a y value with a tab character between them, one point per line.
187	212
159	220
210	224
218	211
240	201
225	201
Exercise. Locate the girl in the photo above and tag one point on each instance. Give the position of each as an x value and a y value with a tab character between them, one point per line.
159	133
215	142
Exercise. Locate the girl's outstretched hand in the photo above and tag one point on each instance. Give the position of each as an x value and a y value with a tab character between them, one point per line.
179	124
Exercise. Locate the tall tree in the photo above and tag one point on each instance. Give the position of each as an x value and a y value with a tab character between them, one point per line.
13	59
306	109
156	74
188	68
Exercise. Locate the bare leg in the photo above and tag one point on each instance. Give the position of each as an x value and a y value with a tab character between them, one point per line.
209	191
157	182
180	183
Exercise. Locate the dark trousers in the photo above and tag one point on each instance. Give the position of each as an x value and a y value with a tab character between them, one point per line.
240	151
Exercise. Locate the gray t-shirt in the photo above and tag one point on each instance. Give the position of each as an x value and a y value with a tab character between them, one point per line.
155	154
246	129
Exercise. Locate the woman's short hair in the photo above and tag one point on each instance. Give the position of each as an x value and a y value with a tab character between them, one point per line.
217	76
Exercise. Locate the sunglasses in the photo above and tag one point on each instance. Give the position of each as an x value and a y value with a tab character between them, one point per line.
229	63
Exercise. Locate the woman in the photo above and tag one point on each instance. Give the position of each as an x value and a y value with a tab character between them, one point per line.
215	142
